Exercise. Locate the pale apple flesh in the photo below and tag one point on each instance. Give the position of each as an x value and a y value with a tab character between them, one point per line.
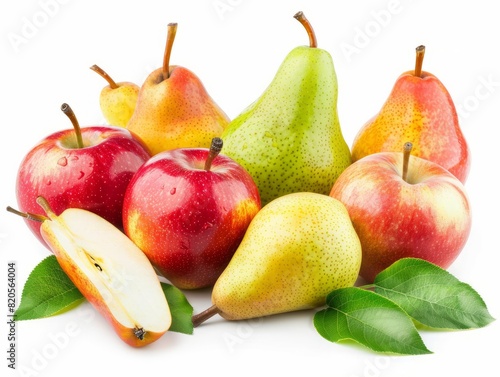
111	272
428	216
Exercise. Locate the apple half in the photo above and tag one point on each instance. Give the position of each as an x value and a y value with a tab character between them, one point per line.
111	272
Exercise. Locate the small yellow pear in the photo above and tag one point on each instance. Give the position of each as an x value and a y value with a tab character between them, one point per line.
117	99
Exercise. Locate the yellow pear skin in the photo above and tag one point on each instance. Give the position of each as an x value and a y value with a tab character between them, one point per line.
297	249
174	110
117	99
118	104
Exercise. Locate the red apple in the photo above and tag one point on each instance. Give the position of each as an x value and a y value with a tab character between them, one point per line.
188	209
420	210
93	177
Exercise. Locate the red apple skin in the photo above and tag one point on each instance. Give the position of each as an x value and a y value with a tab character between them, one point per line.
428	216
93	178
188	221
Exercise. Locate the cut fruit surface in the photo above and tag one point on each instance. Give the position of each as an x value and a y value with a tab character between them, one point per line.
111	272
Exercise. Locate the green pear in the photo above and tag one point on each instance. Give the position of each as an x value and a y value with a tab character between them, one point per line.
297	249
290	138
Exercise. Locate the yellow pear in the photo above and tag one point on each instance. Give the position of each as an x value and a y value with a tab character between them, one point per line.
297	249
174	109
117	99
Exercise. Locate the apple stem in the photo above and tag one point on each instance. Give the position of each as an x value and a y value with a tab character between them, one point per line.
310	31
100	71
66	109
172	30
406	159
419	60
215	149
199	318
27	215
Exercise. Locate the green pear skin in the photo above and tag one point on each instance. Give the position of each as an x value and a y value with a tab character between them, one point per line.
296	250
290	139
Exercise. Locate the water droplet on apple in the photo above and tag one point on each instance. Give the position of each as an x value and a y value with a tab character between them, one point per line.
172	191
63	161
49	183
74	158
82	174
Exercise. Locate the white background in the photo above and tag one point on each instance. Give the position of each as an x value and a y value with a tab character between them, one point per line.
235	47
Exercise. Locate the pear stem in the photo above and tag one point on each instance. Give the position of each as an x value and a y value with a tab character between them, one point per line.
199	318
66	109
406	159
42	202
215	149
27	215
420	50
101	72
310	31
172	30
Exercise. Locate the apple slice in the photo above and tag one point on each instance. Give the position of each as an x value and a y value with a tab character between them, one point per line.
111	272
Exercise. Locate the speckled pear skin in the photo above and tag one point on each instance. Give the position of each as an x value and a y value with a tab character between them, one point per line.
296	250
118	104
419	110
290	139
176	112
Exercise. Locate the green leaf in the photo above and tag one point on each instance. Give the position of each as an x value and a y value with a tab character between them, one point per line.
369	319
48	291
180	309
432	296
